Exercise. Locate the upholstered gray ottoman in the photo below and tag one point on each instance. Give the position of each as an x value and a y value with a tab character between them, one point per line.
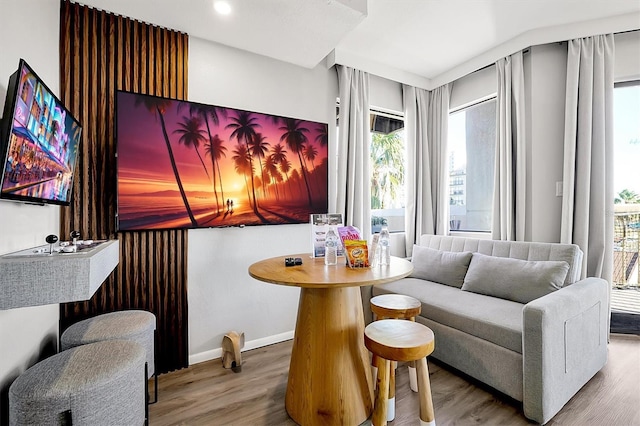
97	384
136	325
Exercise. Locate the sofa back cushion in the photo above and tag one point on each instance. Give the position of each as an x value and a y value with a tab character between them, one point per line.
444	267
569	253
514	279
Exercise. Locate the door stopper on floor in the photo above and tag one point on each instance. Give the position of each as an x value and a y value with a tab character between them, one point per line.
232	343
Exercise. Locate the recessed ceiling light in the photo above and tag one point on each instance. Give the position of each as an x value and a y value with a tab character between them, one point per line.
222	7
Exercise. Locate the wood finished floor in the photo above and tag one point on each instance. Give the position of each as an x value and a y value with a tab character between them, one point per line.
208	394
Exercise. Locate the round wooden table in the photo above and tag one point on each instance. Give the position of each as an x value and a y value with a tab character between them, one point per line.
329	374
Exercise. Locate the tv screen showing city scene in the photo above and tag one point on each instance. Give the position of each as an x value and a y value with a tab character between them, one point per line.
190	165
39	142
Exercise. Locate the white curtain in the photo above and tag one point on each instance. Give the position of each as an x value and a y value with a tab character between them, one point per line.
426	118
587	202
354	181
510	183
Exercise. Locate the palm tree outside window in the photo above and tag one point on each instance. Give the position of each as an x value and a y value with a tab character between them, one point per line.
387	165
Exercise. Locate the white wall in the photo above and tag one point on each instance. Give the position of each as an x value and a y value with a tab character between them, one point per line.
385	94
627	65
473	87
26	334
222	296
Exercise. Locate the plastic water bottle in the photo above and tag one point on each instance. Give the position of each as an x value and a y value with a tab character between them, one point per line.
385	246
331	247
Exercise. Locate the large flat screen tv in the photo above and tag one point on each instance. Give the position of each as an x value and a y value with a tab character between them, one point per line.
39	141
190	165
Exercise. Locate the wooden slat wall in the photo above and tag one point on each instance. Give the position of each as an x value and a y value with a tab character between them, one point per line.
100	53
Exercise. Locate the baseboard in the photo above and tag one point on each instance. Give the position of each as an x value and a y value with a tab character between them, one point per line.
251	344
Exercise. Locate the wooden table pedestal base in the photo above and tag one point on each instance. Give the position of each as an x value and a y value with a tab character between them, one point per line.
329	375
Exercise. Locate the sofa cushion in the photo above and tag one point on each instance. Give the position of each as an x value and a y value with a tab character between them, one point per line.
445	267
496	320
524	250
514	279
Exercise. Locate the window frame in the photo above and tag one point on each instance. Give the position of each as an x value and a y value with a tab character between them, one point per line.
394	226
481	234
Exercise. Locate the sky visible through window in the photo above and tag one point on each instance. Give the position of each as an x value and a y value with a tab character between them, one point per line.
626	135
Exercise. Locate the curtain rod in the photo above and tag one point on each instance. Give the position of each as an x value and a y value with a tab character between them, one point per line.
627	31
528	49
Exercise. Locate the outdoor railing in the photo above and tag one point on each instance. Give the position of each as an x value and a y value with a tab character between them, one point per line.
626	246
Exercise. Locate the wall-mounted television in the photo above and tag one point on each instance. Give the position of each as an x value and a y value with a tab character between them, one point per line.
190	165
39	141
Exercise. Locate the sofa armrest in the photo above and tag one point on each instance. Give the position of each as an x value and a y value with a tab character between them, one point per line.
564	343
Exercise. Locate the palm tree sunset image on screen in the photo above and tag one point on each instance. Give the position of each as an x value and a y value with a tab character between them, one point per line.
186	165
159	106
191	135
243	126
297	141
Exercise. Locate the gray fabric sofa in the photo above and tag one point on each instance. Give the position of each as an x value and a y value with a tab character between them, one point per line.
518	319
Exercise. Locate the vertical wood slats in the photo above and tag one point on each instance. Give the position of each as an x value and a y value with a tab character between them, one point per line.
100	53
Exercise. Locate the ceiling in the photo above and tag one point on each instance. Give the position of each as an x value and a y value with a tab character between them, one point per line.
425	39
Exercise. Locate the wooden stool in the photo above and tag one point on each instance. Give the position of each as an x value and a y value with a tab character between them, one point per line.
394	340
396	306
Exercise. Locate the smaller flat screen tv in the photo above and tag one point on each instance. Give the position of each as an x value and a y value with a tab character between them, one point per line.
39	142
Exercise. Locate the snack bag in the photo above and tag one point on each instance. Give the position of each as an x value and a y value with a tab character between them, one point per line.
357	253
348	233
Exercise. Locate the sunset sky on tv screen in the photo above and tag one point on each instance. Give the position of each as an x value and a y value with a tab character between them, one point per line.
189	165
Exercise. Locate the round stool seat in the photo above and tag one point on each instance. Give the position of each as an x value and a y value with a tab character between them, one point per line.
97	384
399	307
136	325
398	340
395	306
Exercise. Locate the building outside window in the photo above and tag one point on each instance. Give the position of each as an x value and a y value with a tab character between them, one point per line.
472	136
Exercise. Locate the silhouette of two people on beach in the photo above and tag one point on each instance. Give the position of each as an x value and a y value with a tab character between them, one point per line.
229	206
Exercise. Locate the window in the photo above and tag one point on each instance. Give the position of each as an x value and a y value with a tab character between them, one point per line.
387	169
626	154
472	135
